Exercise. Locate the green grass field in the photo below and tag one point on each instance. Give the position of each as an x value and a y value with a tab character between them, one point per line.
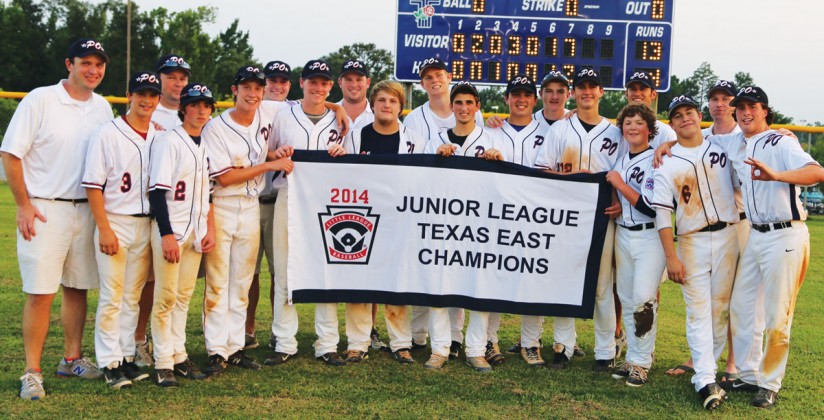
381	388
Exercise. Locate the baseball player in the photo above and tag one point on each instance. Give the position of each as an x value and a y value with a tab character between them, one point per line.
55	227
310	126
354	83
386	135
774	262
587	142
517	140
640	89
115	178
277	87
697	184
237	145
640	261
183	229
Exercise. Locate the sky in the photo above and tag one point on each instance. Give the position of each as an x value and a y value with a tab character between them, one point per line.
776	41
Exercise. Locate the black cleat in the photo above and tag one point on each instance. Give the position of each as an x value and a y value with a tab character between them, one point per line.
712	396
604	366
454	350
187	369
279	359
739	385
216	365
241	360
165	378
132	372
403	356
332	359
764	398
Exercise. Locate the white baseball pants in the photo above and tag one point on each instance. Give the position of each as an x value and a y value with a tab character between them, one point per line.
398	326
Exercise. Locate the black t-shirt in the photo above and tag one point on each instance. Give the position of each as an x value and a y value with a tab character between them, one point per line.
587	127
454	138
374	143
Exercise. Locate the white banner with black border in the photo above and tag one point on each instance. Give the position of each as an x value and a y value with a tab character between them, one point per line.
446	232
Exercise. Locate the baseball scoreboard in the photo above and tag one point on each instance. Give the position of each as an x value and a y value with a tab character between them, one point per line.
488	41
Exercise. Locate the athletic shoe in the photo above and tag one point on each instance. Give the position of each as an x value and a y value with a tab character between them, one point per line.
355	356
114	377
403	356
241	360
435	362
515	348
82	367
479	363
187	369
377	344
278	359
559	359
764	398
416	346
620	344
216	365
454	350
622	370
31	386
132	372
739	385
603	366
273	342
331	359
532	356
712	396
166	378
637	376
493	354
143	353
577	351
250	342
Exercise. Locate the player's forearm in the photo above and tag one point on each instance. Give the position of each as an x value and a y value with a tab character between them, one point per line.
98	208
236	176
628	192
668	242
808	175
14	176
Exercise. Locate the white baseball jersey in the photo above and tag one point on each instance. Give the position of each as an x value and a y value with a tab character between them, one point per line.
233	146
178	165
365	118
708	131
411	142
568	147
166	117
424	122
695	183
634	171
50	132
767	202
539	116
665	134
519	147
476	144
117	162
294	128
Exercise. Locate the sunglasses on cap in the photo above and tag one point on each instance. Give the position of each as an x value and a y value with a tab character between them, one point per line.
250	75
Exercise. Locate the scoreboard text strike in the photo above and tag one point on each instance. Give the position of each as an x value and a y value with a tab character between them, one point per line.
488	41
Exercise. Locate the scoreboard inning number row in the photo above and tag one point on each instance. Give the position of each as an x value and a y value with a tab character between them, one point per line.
489	41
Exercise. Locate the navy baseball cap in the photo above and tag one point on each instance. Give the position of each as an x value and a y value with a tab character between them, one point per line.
85	46
277	68
586	75
194	92
723	85
521	82
750	93
356	66
640	77
432	63
316	68
679	101
249	73
555	76
172	62
144	80
463	87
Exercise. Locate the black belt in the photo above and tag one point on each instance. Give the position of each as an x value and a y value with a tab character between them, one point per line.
67	200
742	216
267	200
141	215
771	226
642	226
714	227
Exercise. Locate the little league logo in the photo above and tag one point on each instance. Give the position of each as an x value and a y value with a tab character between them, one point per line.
426	9
348	233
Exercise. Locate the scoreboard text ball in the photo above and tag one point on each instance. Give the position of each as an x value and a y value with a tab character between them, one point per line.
488	41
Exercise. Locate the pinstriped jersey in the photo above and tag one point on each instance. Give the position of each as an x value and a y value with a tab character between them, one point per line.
233	146
665	134
293	128
424	122
411	142
570	148
539	116
634	171
707	132
179	165
117	162
476	144
519	147
695	183
767	201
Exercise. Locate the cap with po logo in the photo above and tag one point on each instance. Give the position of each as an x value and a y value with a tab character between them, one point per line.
586	75
356	66
249	73
679	101
194	92
725	86
316	68
172	62
752	94
555	76
463	87
144	80
277	68
85	46
432	63
521	82
640	77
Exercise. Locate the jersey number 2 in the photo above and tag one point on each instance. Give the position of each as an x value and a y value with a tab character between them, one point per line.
180	191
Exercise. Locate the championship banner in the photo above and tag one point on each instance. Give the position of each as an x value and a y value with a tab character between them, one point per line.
445	232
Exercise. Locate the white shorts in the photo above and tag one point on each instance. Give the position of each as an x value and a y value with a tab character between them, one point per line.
61	252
